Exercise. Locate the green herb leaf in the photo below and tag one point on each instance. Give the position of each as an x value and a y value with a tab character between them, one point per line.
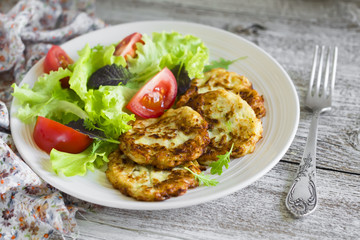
203	179
224	160
229	126
221	63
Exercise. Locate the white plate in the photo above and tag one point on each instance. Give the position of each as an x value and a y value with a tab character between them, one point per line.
267	76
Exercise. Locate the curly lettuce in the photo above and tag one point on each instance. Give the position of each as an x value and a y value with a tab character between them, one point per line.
69	164
48	99
90	60
167	50
104	107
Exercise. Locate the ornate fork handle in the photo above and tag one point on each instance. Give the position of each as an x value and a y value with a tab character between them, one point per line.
302	197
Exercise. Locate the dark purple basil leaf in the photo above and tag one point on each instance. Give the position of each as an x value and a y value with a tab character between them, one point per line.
80	126
109	75
182	78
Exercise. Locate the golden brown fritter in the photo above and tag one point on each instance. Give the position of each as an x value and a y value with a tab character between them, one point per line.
230	81
178	136
146	183
231	121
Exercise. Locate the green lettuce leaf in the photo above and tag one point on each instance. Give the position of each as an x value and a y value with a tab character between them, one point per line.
103	107
90	60
106	107
78	164
187	49
146	64
167	50
48	99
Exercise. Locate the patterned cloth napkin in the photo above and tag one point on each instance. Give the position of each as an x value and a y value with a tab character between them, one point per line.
29	207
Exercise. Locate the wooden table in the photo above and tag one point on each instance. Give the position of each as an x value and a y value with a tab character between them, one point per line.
288	30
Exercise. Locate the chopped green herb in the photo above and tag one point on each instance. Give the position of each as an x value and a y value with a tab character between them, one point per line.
228	126
204	179
221	63
96	145
224	160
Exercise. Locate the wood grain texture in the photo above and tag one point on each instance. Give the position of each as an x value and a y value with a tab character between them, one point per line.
255	212
288	30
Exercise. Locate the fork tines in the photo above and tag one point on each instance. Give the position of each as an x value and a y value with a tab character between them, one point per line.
323	84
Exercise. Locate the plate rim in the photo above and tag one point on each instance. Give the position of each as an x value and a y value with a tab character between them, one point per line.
166	204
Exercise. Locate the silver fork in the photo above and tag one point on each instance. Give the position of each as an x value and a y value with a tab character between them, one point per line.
302	197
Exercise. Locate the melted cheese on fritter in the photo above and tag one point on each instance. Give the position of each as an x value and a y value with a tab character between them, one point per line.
231	121
146	183
178	136
222	79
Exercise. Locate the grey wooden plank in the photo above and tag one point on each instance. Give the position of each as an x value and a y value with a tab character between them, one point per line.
257	211
312	12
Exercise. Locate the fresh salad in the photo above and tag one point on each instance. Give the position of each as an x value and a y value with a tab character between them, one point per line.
81	108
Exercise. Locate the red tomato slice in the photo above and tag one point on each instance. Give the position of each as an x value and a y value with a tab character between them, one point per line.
155	96
56	58
127	46
49	134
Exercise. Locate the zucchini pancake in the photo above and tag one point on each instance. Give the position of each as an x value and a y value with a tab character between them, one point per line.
220	78
146	182
231	122
218	112
178	136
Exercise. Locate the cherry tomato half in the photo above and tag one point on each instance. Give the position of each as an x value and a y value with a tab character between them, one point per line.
127	46
56	58
49	134
155	96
